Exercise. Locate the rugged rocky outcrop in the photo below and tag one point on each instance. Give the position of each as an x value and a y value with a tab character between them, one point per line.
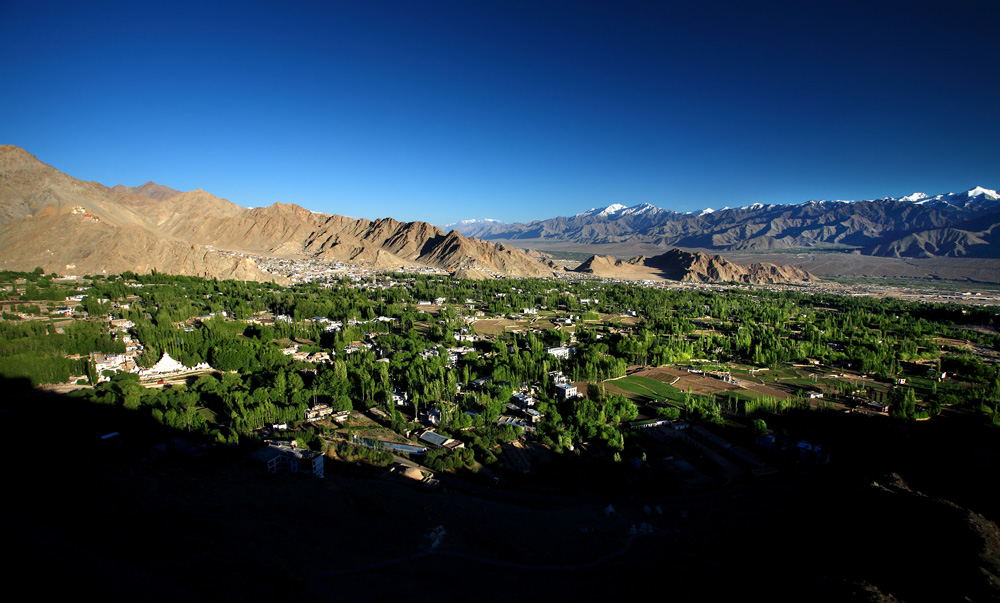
678	265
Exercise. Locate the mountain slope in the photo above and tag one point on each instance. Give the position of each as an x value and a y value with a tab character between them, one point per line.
290	230
75	244
50	219
980	238
150	189
865	225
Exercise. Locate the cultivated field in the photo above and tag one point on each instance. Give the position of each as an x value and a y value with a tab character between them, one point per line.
494	326
672	384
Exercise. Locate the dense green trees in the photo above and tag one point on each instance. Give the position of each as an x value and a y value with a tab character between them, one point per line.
902	402
260	384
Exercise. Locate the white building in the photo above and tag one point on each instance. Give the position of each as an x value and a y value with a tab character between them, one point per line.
560	352
524	400
168	366
318	412
566	391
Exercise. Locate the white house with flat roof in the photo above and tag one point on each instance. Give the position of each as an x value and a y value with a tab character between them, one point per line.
566	391
563	352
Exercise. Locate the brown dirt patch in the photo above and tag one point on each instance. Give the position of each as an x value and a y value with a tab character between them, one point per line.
704	385
699	384
493	326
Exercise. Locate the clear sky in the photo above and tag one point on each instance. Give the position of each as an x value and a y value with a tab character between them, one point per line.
444	110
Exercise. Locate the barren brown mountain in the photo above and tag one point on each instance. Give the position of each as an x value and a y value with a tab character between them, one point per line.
50	219
150	189
678	265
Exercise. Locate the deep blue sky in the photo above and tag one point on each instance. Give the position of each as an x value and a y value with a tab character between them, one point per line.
440	110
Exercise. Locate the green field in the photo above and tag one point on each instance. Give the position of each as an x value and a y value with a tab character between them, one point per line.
743	394
208	413
648	390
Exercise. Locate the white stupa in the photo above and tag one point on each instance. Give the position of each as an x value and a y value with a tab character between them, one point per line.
165	365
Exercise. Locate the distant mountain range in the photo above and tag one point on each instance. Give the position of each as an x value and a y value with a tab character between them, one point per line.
69	226
65	225
918	225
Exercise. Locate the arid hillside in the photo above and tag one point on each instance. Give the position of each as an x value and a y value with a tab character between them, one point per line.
679	265
65	225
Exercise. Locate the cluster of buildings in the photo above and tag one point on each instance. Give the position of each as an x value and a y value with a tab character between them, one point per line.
287	457
305	356
118	363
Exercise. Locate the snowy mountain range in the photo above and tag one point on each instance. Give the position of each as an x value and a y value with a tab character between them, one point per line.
916	225
617	210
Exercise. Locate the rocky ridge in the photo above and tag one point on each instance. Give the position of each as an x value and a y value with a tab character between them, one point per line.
679	265
150	189
65	225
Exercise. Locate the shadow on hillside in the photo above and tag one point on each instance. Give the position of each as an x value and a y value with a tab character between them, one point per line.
102	516
80	518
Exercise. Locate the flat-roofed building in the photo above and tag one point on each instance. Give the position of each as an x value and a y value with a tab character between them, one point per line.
560	352
290	459
566	391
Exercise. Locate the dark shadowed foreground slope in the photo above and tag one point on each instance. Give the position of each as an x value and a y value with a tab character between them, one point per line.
902	514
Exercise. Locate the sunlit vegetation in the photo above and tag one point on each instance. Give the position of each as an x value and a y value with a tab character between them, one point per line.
386	343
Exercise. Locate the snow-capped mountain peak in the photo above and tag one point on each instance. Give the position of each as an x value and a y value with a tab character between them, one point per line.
617	210
612	209
873	223
973	196
603	212
989	194
641	209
